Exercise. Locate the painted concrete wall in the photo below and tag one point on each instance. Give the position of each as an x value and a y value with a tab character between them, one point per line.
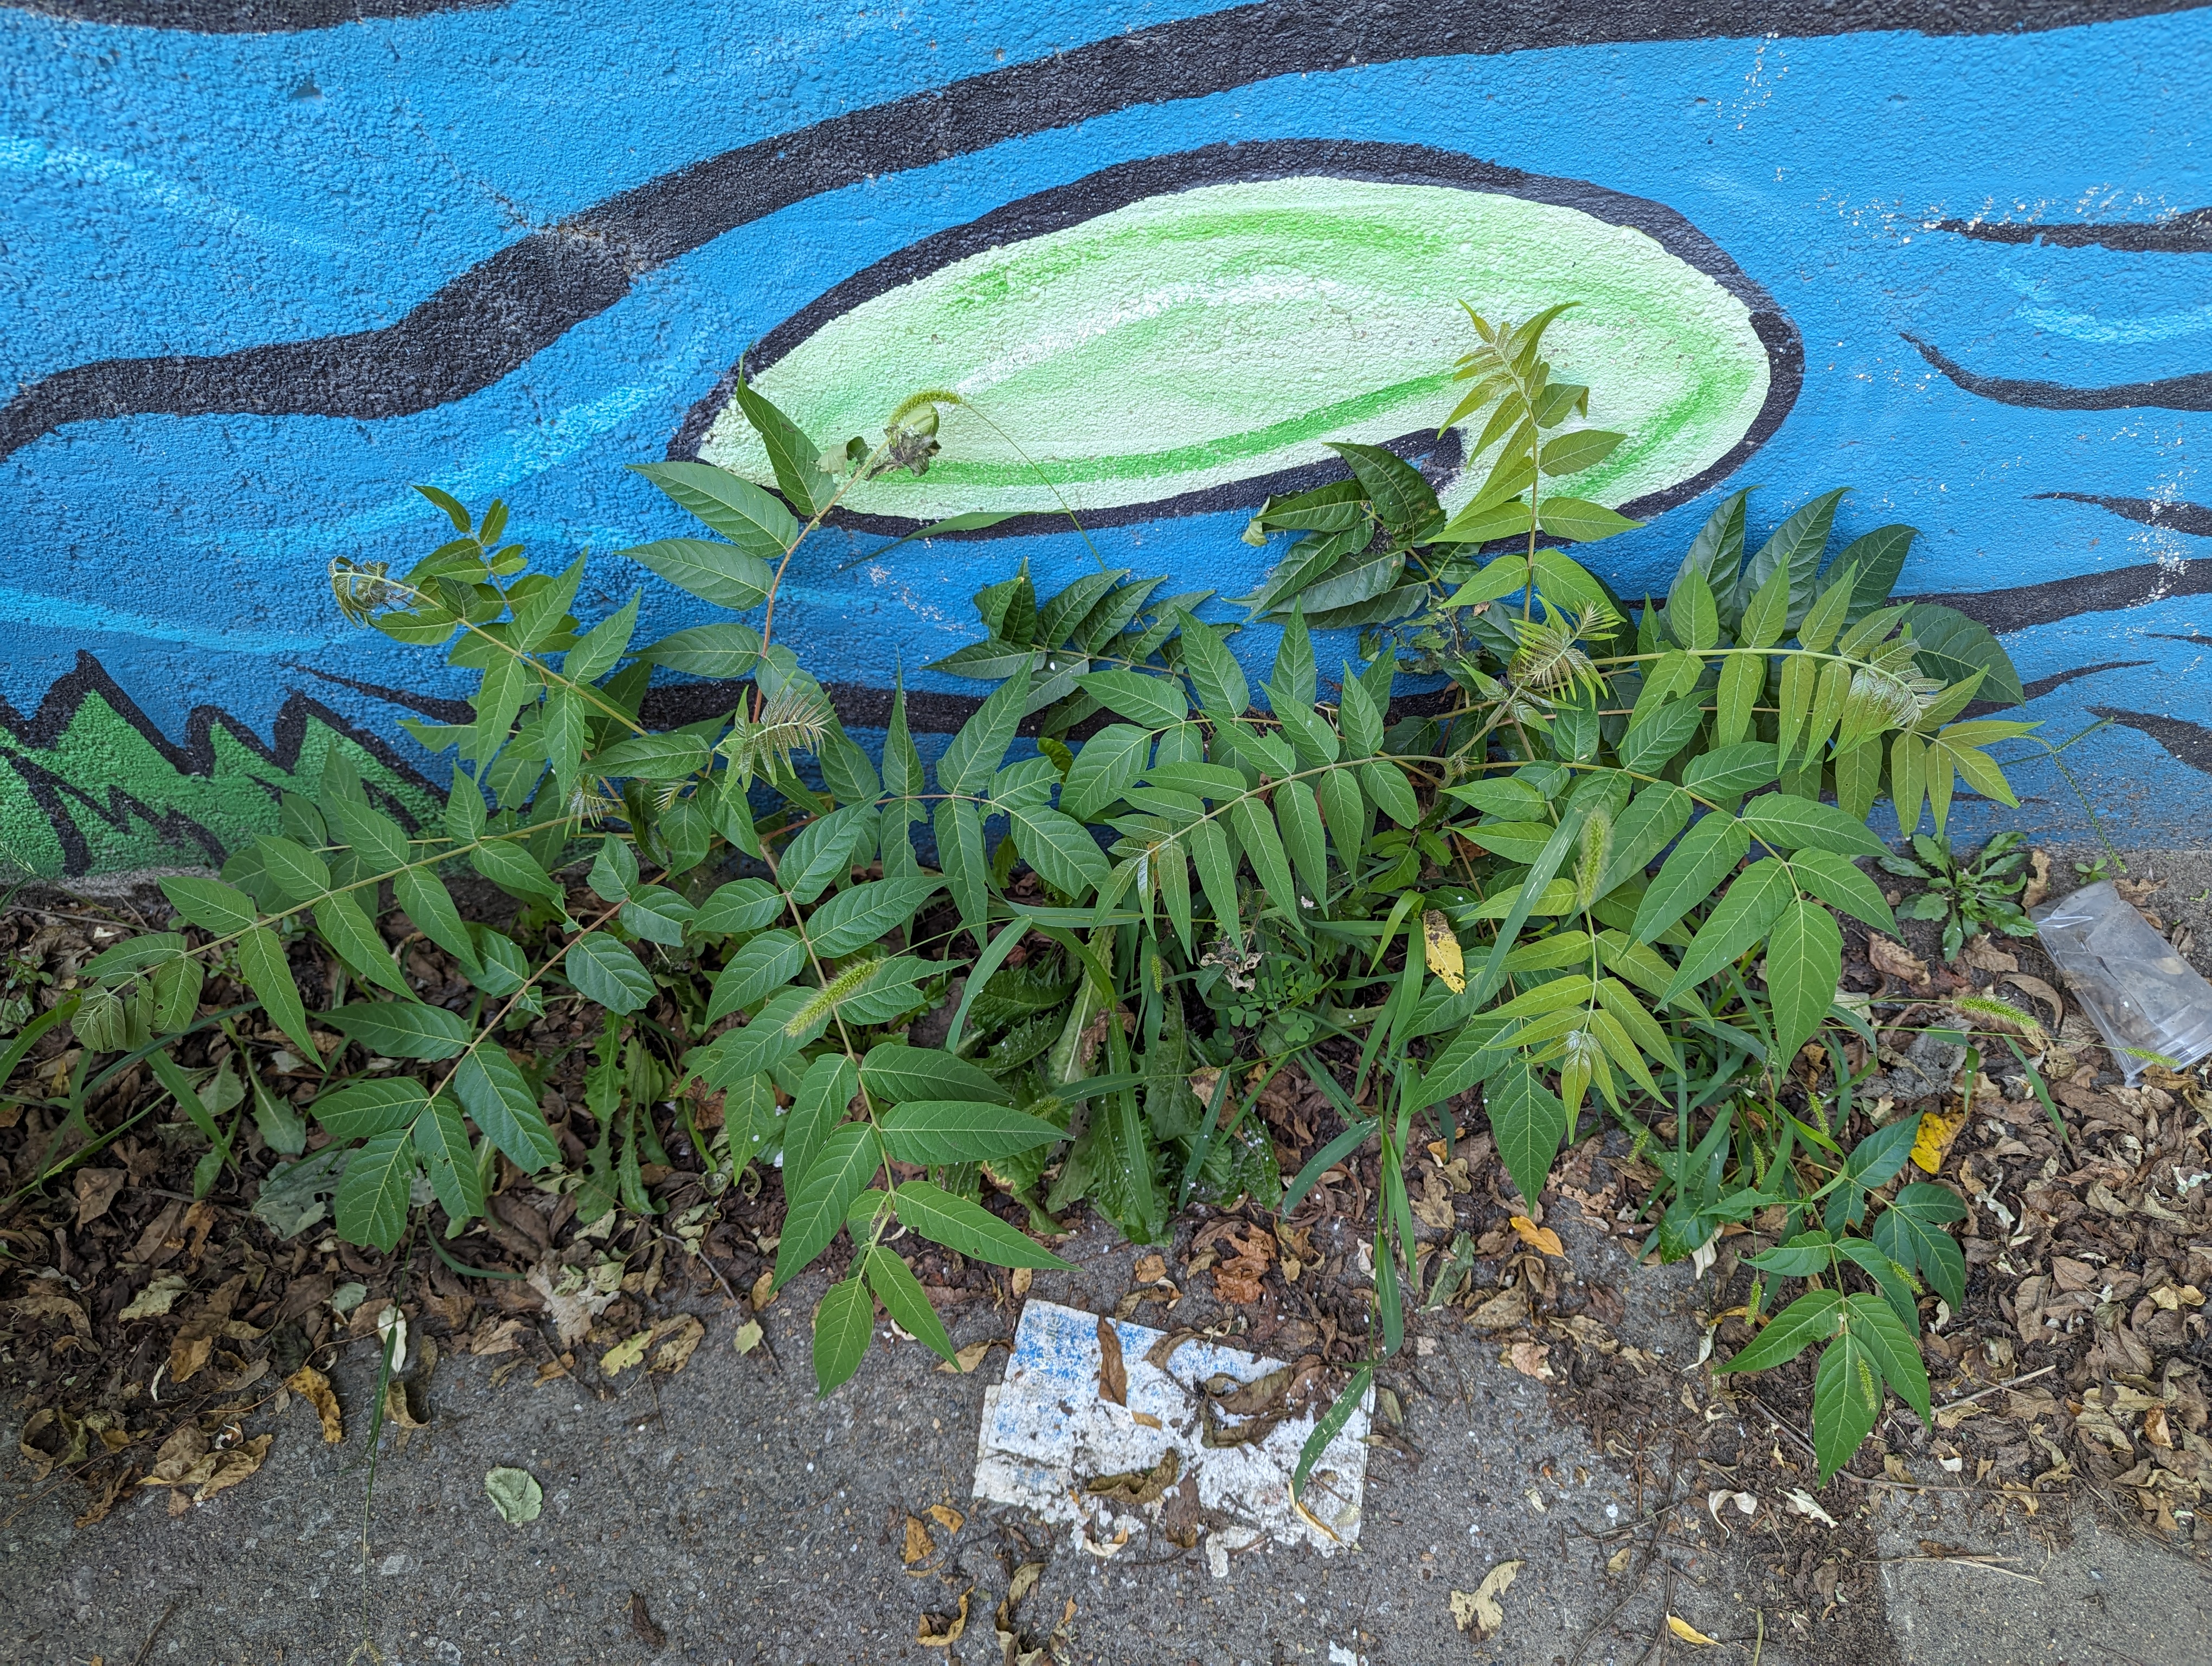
269	261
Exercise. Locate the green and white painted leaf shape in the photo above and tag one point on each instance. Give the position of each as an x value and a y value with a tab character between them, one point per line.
1151	356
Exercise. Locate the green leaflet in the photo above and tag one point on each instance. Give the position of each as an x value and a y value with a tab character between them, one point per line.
839	1172
1741	919
1811	1318
360	1110
604	971
1157	703
866	913
824	1093
1213	671
429	906
944	1131
972	1230
211	904
493	1091
904	1299
371	1206
441	1140
751	519
1528	1122
1708	853
1061	850
742	905
843	1325
401	1028
261	961
824	851
1804	959
894	1072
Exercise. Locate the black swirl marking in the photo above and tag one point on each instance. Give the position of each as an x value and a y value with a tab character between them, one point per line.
2180	233
2189	393
499	313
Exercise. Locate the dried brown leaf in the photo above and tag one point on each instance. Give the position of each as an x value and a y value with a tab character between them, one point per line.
1164	1350
96	1188
1984	954
1138	1485
1501	1312
1113	1374
1895	960
52	1304
1532	1359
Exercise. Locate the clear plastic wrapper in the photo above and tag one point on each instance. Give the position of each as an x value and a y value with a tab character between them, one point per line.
2146	1000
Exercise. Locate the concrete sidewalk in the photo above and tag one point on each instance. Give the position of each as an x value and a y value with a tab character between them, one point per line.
724	1514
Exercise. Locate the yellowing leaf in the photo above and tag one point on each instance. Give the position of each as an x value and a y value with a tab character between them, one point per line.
1477	1612
935	1638
625	1354
1443	950
156	1298
920	1547
947	1517
1537	1237
1689	1633
315	1388
749	1336
684	1334
1933	1143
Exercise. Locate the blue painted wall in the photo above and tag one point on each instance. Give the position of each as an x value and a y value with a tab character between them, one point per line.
205	190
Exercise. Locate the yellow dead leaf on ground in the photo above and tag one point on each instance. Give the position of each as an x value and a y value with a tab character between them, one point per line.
947	1517
1443	950
1477	1612
1020	1281
156	1298
965	1360
625	1354
1933	1143
397	1411
678	1339
1537	1237
1689	1633
315	1388
947	1632
920	1547
763	1291
749	1336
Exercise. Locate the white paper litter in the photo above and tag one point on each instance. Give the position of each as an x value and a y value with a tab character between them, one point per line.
1046	1433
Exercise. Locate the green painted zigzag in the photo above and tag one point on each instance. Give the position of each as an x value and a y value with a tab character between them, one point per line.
91	785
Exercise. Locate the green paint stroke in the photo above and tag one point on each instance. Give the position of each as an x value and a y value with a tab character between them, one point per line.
1211	336
131	807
